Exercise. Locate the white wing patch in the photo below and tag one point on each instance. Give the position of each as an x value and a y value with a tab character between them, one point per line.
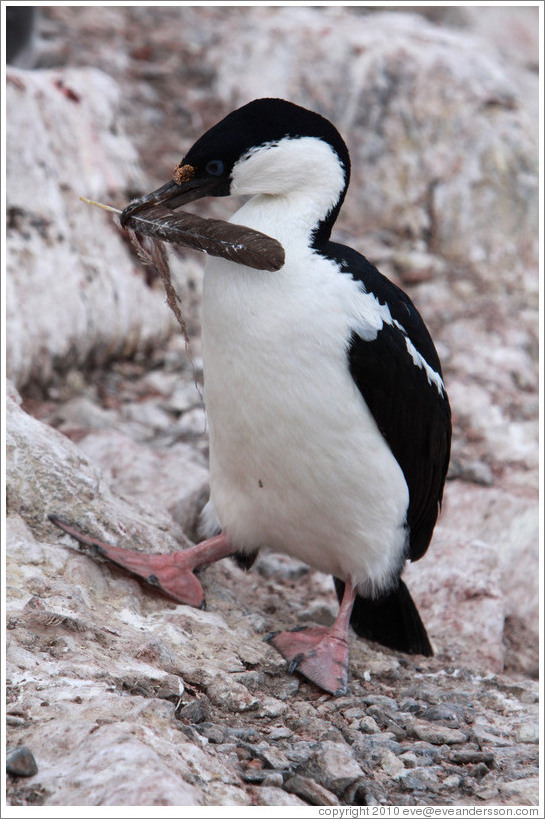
420	361
368	319
369	316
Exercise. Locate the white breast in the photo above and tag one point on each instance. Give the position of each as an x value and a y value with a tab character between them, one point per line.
296	460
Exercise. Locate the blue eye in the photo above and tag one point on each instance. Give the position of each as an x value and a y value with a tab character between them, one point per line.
215	167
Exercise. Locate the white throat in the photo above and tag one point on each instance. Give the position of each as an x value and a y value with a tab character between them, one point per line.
295	183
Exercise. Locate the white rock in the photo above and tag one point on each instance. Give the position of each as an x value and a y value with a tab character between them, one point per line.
71	285
336	766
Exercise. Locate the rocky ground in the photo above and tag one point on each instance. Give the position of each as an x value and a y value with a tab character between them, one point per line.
106	425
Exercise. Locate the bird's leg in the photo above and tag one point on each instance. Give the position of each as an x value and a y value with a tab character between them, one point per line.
321	654
171	573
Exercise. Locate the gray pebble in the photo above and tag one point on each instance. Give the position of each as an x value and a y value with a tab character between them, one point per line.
212	732
475	471
271	779
436	734
428	754
300	752
528	732
277	732
244	734
411	705
409	759
311	791
353	713
368	725
226	747
391	764
21	762
287	687
334	765
12	720
272	757
417	779
232	695
271	564
466	756
370	747
444	712
272	707
193	713
380	699
478	771
389	720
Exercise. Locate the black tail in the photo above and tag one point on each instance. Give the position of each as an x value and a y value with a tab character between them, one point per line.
391	620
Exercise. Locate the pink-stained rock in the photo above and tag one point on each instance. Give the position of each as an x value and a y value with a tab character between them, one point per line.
73	293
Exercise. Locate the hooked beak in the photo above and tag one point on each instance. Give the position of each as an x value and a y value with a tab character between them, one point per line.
186	186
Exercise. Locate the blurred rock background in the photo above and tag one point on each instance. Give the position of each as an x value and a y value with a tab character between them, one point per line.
439	107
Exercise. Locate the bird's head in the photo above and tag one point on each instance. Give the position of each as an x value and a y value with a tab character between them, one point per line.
269	146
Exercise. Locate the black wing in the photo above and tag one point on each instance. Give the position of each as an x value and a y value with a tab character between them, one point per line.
412	414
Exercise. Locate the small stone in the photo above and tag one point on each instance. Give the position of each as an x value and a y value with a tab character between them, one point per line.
193	713
272	756
287	687
528	732
419	779
335	766
251	679
243	734
452	781
391	764
409	759
427	754
411	705
370	746
211	732
312	792
274	796
184	397
273	779
478	771
443	713
436	734
256	775
319	612
380	699
300	752
353	713
484	736
191	424
466	756
12	720
232	695
415	266
488	793
369	726
524	791
389	720
279	732
148	414
21	762
272	564
477	472
226	747
271	707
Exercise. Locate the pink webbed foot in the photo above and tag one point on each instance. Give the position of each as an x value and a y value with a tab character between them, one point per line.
321	654
171	574
318	654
